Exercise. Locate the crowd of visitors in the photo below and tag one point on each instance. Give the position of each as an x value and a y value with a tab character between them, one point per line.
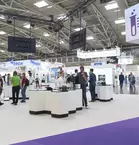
20	82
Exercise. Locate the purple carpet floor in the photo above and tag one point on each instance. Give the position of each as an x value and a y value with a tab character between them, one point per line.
119	133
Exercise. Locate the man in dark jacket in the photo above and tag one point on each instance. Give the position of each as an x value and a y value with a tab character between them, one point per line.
83	78
92	85
121	80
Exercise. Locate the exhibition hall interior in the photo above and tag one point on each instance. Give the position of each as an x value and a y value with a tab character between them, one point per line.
69	72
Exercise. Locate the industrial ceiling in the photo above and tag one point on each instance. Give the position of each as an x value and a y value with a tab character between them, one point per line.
103	29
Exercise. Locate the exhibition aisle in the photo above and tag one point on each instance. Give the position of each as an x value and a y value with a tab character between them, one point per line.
119	133
30	127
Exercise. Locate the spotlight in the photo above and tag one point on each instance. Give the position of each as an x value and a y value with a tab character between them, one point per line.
9	21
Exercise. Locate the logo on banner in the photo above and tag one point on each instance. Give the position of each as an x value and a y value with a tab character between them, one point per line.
134	21
16	63
98	63
35	62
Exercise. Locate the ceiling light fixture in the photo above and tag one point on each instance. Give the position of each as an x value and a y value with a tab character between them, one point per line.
61	42
2	51
49	7
90	38
2	17
111	6
2	32
120	21
27	25
78	29
41	4
38	45
118	10
123	33
2	43
46	34
62	16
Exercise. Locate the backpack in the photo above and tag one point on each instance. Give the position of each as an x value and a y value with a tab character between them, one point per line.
27	82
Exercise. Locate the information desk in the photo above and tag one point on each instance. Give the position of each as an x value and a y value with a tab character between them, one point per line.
58	104
104	93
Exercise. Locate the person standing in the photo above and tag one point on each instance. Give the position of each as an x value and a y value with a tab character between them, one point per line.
1	89
60	81
121	80
37	81
83	78
132	82
31	79
8	79
4	78
92	86
126	79
25	84
43	78
15	80
75	79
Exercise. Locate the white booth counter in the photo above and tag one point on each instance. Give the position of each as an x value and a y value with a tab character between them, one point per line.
7	92
58	104
104	93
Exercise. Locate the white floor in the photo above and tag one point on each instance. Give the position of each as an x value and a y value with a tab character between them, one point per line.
17	125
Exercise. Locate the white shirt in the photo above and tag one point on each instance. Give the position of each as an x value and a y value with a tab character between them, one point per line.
60	82
31	79
44	78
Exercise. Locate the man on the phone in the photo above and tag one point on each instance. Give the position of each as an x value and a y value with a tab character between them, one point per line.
83	79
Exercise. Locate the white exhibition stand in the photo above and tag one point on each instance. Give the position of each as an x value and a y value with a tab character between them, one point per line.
58	104
104	93
7	93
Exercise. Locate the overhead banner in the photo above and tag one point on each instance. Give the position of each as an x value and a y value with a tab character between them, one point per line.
99	54
132	24
21	63
124	60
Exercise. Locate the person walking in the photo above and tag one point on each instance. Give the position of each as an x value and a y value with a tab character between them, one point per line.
92	86
83	78
15	80
121	80
1	89
24	84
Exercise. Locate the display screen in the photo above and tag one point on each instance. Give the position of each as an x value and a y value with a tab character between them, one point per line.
78	40
23	45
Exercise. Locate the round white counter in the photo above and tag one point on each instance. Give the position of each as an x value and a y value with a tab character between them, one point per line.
58	104
104	93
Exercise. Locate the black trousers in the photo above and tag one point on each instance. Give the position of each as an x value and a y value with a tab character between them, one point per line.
121	87
0	94
15	94
37	84
93	93
84	98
